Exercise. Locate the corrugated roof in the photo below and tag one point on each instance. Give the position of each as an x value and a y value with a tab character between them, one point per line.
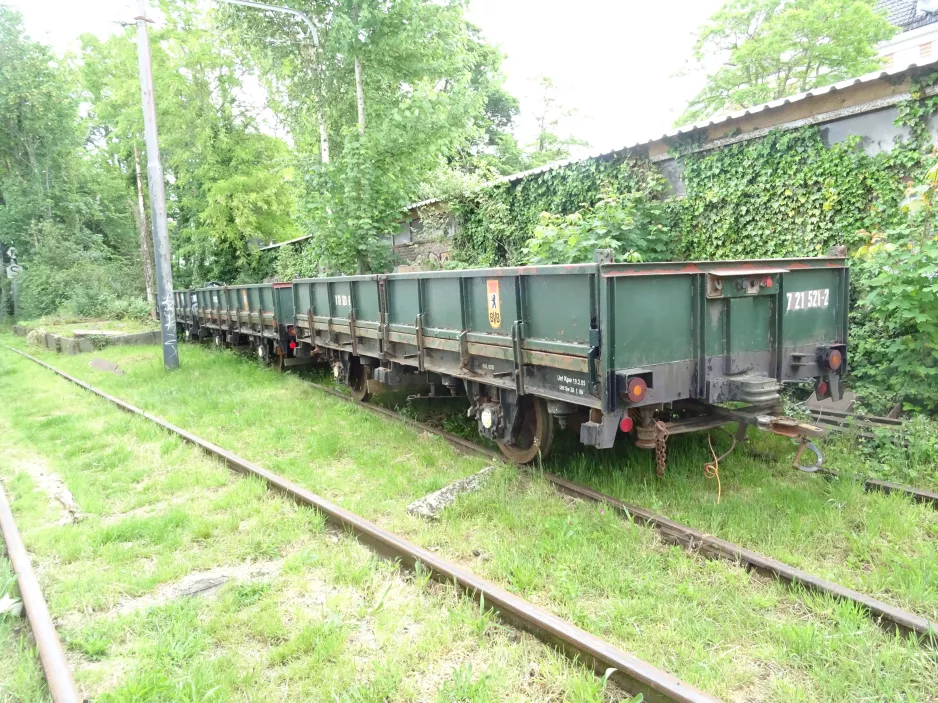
713	121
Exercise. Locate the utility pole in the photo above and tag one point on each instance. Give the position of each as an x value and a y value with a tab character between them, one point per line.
146	253
164	271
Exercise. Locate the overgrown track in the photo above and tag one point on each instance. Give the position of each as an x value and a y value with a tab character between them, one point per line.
839	421
713	547
58	674
633	674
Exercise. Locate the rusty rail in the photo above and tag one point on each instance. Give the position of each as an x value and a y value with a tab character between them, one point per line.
51	654
630	672
700	542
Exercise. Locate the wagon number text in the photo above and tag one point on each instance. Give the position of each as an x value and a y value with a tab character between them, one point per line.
343	299
802	300
576	386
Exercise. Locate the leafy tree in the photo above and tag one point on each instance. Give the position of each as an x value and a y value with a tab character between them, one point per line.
55	194
549	145
227	183
430	93
769	49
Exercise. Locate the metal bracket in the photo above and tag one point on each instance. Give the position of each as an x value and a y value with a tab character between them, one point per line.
351	329
464	356
310	330
516	332
418	325
591	357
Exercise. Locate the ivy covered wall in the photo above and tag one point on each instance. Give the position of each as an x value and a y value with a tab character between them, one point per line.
785	194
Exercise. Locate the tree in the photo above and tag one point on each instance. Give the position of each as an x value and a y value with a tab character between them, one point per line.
768	49
227	183
63	206
422	76
549	145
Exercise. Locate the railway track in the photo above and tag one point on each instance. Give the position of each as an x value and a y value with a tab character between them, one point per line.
51	654
692	539
842	422
632	674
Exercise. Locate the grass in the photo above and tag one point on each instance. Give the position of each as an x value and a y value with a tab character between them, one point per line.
734	634
331	622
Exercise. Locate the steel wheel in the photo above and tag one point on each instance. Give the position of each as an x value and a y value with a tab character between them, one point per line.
358	376
533	434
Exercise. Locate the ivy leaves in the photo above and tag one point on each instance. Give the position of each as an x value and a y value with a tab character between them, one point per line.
787	194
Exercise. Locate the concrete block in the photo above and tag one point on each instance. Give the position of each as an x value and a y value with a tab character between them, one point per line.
52	342
85	345
105	365
20	331
68	346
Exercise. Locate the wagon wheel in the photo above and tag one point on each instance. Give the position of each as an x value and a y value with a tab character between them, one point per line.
358	376
533	432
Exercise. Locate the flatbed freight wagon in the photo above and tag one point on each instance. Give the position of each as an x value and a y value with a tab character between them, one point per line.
650	349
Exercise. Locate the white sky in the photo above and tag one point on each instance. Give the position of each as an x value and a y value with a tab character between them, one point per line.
614	61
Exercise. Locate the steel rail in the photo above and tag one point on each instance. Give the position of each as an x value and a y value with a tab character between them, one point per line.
630	672
694	540
51	654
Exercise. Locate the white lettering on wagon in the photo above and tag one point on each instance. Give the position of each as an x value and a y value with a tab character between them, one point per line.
805	299
343	300
568	384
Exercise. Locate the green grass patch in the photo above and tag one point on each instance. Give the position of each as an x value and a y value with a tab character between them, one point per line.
327	622
727	631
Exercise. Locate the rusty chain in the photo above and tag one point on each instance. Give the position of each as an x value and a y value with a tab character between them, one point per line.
661	447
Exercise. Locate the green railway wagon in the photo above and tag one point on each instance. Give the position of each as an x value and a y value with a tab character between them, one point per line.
650	349
186	320
255	316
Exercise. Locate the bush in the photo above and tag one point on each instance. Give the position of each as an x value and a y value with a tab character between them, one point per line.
634	225
906	455
897	310
77	278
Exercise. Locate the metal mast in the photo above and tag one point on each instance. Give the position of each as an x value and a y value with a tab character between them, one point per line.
164	271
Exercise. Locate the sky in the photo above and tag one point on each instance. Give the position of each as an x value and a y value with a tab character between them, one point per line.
614	62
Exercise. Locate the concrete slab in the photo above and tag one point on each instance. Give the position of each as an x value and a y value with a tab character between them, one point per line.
68	346
20	331
85	345
97	333
105	365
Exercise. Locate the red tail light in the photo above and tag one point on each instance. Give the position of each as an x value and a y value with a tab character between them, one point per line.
822	389
292	345
636	390
626	424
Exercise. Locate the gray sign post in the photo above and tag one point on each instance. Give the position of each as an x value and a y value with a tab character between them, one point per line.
164	271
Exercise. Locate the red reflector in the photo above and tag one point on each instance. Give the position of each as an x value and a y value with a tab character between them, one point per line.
292	345
822	389
835	359
768	281
626	424
636	390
